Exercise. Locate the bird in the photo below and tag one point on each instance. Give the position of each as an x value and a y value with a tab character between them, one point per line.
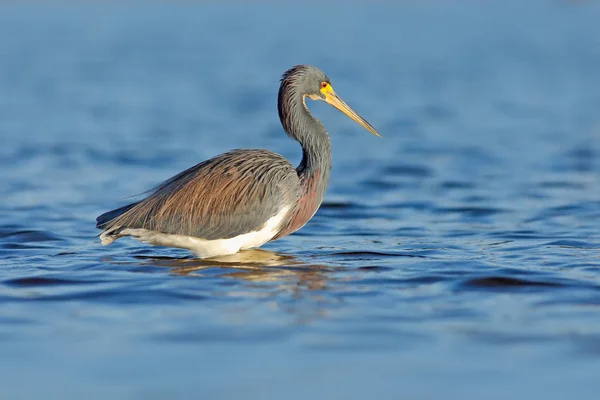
243	198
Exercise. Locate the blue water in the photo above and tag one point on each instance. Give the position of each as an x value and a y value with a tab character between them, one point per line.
457	257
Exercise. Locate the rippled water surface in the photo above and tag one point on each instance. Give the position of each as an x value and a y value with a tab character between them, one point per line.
457	257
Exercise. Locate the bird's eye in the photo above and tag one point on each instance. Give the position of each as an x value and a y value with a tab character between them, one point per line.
323	85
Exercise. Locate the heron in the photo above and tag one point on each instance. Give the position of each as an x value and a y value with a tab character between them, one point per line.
245	198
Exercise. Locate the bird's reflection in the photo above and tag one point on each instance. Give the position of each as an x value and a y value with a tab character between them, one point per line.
255	265
284	277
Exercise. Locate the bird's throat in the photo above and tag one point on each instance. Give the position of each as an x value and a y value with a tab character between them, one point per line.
316	152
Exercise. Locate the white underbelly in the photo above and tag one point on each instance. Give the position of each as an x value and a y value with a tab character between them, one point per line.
211	248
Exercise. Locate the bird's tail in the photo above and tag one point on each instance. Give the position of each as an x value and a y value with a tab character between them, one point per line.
103	221
106	223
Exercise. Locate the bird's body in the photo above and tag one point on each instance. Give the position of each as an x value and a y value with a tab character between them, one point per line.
244	198
182	213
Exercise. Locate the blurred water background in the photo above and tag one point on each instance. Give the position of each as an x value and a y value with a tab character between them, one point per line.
457	257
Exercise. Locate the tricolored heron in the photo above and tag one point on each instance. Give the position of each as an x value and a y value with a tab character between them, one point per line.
244	198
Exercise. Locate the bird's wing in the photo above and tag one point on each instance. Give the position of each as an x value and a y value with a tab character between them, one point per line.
231	194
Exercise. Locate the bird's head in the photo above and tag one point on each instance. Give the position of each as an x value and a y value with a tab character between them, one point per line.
311	82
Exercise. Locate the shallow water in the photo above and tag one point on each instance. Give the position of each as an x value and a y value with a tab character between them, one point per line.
457	257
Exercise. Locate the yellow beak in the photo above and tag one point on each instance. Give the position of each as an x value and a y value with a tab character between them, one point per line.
332	98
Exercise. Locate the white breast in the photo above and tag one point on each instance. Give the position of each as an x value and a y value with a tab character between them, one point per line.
211	248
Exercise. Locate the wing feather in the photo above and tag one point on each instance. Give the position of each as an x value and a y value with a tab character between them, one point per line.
231	194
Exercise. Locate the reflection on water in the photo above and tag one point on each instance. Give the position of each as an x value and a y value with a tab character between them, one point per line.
255	265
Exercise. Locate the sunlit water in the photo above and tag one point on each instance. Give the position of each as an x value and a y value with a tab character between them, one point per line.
457	257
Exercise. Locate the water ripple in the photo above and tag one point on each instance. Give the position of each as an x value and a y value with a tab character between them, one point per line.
462	248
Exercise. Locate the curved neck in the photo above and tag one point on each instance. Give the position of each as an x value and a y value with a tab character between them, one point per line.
300	125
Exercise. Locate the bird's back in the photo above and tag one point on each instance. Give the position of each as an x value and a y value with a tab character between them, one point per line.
224	197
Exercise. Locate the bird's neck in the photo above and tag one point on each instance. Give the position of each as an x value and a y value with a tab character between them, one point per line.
316	151
299	123
315	167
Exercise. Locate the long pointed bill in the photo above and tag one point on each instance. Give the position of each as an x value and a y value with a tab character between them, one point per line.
332	98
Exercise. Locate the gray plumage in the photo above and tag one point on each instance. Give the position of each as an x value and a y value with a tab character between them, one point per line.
252	186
